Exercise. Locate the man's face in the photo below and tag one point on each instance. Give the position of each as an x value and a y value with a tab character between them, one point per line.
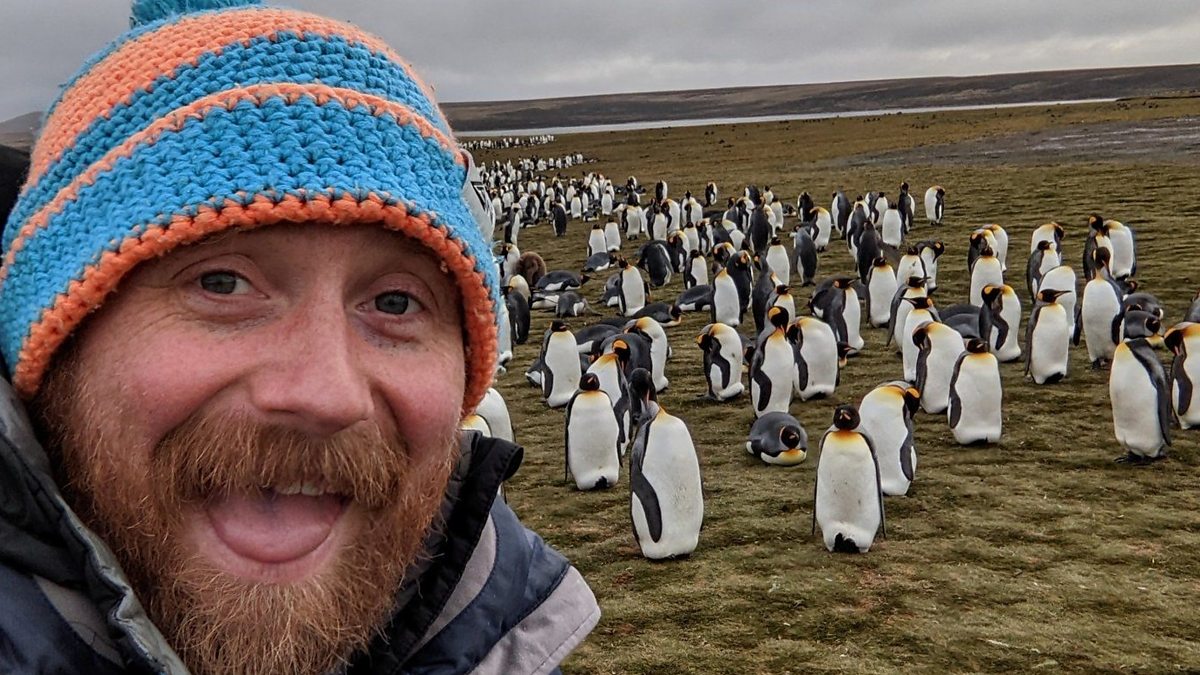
261	427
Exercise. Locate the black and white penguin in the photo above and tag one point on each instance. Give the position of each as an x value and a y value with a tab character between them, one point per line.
695	273
664	313
517	304
504	338
560	280
938	349
881	288
597	242
1100	313
722	348
494	411
760	230
1005	306
660	348
817	356
667	501
886	414
726	304
1047	232
570	304
911	288
1124	249
593	454
805	207
922	312
907	206
986	271
848	497
1137	388
590	337
1062	278
632	289
935	204
1097	238
660	190
836	301
1184	342
804	255
558	215
778	438
1041	261
911	264
772	367
560	365
1047	340
612	236
710	193
976	396
777	260
867	249
930	250
998	240
839	211
610	370
891	227
655	258
695	299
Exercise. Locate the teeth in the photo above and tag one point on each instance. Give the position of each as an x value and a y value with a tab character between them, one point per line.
292	489
310	490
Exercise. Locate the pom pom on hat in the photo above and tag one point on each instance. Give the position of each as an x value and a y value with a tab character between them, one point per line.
148	11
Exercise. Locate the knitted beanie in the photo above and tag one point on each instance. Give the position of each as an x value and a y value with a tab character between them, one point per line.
217	114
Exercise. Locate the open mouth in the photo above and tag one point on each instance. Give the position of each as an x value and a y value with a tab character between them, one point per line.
277	534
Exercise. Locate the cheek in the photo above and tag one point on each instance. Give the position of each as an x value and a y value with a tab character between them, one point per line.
424	391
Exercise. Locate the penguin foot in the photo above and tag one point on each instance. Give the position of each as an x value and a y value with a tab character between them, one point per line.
1134	459
844	545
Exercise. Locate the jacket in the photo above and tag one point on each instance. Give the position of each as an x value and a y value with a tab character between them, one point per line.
491	596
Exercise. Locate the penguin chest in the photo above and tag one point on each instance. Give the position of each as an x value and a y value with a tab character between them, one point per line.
883	420
726	302
819	359
1134	397
987	272
848	495
592	441
882	288
1100	308
1050	342
777	260
976	399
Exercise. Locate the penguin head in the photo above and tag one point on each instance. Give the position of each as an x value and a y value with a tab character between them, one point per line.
1131	285
842	283
1045	245
991	293
1102	256
778	317
676	313
846	418
977	346
1095	222
775	241
558	326
1050	295
1140	324
589	382
916	282
920	335
622	262
880	262
695	254
920	303
941	192
912	400
793	437
621	350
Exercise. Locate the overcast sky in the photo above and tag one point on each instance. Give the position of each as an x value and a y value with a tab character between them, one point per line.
483	50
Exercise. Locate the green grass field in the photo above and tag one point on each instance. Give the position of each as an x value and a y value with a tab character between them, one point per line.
1036	554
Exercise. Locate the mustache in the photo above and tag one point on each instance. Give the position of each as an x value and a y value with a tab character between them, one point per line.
230	453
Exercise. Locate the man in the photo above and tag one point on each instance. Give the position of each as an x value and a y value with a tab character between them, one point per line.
247	296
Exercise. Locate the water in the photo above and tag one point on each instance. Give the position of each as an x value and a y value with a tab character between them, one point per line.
709	121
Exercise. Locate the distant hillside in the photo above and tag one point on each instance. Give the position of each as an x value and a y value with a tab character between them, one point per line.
18	131
834	97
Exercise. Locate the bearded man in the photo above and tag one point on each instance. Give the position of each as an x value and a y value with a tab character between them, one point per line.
247	295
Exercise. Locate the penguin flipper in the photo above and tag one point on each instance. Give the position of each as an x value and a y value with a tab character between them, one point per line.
645	494
801	371
1075	335
922	368
878	486
567	440
764	387
1179	378
906	453
955	401
1118	318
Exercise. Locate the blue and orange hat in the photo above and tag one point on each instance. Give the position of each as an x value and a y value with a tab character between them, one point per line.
217	114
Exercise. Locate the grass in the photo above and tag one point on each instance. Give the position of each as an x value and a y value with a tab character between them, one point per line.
1038	553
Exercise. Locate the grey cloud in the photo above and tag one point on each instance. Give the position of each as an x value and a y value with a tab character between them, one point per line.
478	50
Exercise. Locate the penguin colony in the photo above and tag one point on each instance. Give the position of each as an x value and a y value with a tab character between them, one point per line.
766	349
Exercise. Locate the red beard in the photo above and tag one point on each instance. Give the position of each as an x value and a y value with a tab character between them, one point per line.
216	621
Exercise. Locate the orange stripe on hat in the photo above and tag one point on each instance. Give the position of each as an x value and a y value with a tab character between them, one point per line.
85	294
135	65
173	121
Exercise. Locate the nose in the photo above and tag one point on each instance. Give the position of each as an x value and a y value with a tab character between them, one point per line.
311	379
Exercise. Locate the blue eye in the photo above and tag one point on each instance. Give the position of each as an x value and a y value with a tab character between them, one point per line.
221	283
394	302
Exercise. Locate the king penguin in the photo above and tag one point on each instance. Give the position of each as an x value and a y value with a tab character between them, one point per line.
881	288
935	204
938	348
560	365
817	355
666	501
976	396
847	495
1100	313
887	419
592	448
722	348
1047	339
632	289
778	438
1137	388
1184	342
772	366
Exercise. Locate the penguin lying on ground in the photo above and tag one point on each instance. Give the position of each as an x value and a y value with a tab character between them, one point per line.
778	438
